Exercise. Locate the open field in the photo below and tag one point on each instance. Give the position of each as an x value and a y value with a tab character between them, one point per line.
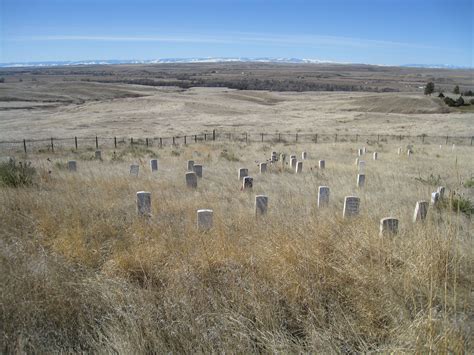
59	102
81	272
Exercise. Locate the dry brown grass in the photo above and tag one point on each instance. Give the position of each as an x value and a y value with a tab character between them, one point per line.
81	272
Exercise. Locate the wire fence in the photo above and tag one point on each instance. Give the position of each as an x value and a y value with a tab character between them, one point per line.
75	143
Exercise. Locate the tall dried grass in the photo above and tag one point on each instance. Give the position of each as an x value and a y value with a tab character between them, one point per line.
81	272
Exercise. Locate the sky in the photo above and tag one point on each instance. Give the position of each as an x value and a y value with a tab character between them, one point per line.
388	32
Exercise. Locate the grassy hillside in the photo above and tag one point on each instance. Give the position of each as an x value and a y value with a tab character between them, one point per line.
82	272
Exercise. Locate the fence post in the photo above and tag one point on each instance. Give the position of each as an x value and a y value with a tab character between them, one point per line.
173	141
161	142
335	138
184	139
195	138
24	144
316	138
447	137
205	136
400	137
296	137
213	134
96	142
146	141
131	141
115	142
472	138
246	138
279	137
262	137
75	142
52	145
422	138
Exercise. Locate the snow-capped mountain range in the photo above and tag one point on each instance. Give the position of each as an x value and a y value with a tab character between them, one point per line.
204	60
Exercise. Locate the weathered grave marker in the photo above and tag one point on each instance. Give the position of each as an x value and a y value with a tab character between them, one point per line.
197	168
304	156
364	150
191	180
434	198
322	164
243	172
190	165
204	219
360	180
72	165
399	151
361	166
323	196
134	169
144	203
351	206
299	167
409	152
421	210
293	162
388	226
261	205
375	156
263	168
154	165
360	152
357	161
247	183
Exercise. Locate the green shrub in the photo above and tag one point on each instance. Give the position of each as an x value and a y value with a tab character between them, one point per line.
458	203
16	174
469	183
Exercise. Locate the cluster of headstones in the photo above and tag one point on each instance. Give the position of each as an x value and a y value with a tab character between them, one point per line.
204	216
351	203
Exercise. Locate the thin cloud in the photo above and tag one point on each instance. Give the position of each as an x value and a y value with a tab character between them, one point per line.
239	38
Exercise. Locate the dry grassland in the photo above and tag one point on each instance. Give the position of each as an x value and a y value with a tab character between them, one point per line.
81	272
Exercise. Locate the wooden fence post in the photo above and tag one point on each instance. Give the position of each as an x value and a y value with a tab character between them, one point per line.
52	145
184	139
115	142
447	137
472	138
161	142
279	137
378	138
195	138
173	141
131	141
24	145
335	138
146	141
213	134
246	138
75	142
96	142
316	138
262	137
296	137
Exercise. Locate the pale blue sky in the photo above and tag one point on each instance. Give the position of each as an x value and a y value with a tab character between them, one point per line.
365	31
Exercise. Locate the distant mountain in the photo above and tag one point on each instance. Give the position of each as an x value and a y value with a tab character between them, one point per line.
436	66
165	60
204	60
